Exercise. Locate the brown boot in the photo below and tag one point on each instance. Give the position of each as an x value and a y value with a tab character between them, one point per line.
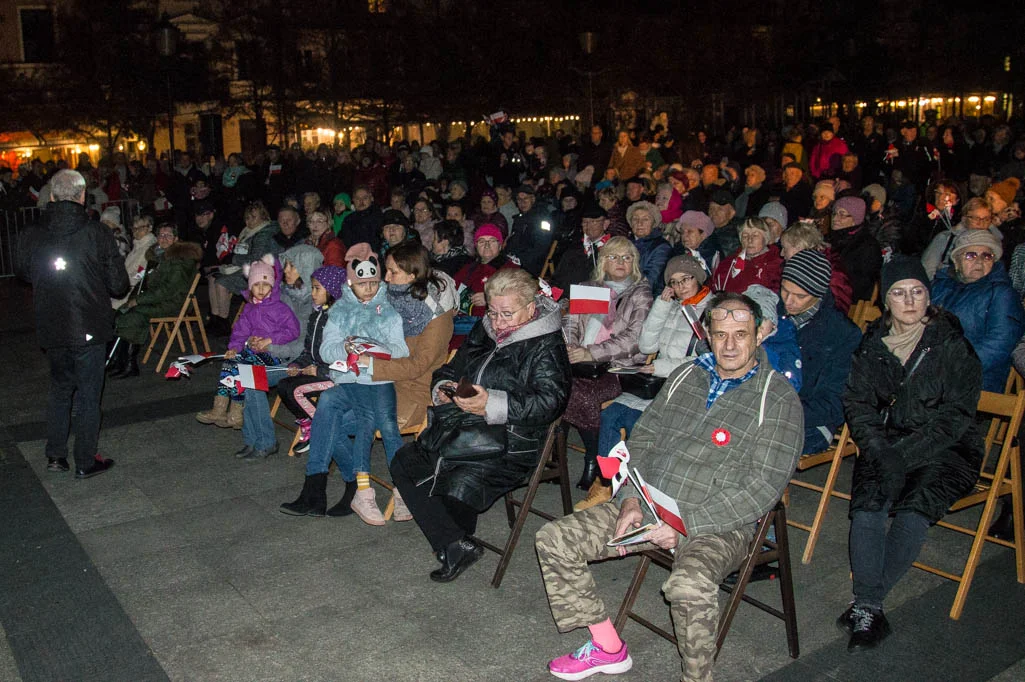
233	420
216	413
598	493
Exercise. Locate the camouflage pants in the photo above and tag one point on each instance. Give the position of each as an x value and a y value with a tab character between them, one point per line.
565	546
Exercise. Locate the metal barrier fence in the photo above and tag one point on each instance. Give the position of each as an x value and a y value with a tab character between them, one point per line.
15	221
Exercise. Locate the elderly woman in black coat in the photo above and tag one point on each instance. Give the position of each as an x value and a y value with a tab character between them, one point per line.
516	361
910	404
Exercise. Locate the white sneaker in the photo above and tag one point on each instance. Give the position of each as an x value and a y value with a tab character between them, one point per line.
365	506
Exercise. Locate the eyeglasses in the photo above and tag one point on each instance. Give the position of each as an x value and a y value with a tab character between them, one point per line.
487	241
739	314
978	219
917	293
504	314
624	258
972	255
686	279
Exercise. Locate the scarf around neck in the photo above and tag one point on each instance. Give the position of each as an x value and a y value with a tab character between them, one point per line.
901	345
415	314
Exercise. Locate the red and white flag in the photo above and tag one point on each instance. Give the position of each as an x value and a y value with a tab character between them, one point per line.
252	376
663	506
614	466
585	300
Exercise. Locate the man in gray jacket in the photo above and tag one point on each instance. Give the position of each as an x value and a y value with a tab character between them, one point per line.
722	439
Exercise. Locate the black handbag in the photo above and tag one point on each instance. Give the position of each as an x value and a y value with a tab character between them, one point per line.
457	436
644	386
589	370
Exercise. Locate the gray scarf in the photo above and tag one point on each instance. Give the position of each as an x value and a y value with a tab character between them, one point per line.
415	314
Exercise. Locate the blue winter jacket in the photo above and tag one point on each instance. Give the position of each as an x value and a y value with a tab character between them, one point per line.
655	252
990	313
784	353
376	320
827	343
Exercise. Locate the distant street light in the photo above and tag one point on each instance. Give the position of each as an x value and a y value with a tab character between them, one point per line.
167	47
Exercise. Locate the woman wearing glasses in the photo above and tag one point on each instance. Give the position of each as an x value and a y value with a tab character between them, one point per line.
978	291
977	216
910	403
515	360
757	261
612	338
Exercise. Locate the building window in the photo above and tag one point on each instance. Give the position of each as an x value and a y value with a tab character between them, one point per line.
37	41
377	6
192	136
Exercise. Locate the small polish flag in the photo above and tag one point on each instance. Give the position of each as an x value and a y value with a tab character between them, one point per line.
614	466
584	300
253	376
274	169
661	504
34	193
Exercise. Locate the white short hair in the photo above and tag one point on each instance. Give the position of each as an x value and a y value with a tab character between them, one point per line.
67	185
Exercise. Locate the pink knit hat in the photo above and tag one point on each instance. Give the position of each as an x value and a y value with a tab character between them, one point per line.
362	264
488	230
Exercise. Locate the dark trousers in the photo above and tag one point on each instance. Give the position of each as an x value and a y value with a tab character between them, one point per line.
881	557
442	519
76	372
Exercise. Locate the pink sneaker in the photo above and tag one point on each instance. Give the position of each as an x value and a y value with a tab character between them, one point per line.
304	428
588	660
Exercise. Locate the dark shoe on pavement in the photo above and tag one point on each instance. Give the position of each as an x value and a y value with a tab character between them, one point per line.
761	572
131	367
312	500
845	623
459	556
256	455
344	506
99	466
870	628
57	465
244	451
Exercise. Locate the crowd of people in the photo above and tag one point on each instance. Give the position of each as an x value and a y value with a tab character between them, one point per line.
394	281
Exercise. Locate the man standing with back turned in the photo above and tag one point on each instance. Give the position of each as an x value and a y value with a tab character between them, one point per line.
75	269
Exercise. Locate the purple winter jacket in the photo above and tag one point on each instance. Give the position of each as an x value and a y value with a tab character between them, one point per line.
271	317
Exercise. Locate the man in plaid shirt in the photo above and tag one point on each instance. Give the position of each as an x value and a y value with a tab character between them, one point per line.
722	438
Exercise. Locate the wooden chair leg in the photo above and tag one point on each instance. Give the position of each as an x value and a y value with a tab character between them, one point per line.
786	581
521	518
824	500
154	334
744	577
1017	511
631	592
564	482
295	441
275	406
192	337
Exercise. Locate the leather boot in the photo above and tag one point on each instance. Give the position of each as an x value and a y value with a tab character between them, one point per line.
216	413
1003	527
312	500
589	474
233	419
344	506
458	556
131	367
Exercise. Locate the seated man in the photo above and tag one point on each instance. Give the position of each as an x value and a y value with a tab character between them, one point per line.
579	260
752	419
827	340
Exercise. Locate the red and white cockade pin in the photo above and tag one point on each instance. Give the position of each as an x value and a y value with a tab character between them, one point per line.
721	437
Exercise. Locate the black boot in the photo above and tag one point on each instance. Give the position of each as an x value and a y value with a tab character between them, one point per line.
591	470
343	507
1003	527
131	367
116	363
312	500
458	556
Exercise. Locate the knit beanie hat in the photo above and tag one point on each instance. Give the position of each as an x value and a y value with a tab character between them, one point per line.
687	265
343	197
970	238
776	211
488	230
1006	189
698	220
362	264
853	205
902	267
876	193
261	271
393	217
112	215
825	187
721	197
766	300
810	270
332	278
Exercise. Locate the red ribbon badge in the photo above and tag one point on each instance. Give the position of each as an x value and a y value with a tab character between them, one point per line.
721	437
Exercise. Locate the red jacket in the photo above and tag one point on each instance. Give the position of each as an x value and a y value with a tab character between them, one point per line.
333	249
826	157
735	274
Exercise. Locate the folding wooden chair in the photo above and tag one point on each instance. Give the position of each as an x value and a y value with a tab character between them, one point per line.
1005	480
550	467
762	551
842	447
864	311
171	326
549	266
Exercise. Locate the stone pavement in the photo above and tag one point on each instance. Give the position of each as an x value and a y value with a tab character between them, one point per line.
177	565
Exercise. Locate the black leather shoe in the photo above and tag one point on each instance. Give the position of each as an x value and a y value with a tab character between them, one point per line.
57	465
761	572
845	623
344	505
98	467
243	452
255	455
870	628
459	556
590	472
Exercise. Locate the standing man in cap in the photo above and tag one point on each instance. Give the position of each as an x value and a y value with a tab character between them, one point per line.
978	291
75	269
827	340
531	233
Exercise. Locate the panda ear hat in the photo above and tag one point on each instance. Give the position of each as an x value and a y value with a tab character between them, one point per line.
362	264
